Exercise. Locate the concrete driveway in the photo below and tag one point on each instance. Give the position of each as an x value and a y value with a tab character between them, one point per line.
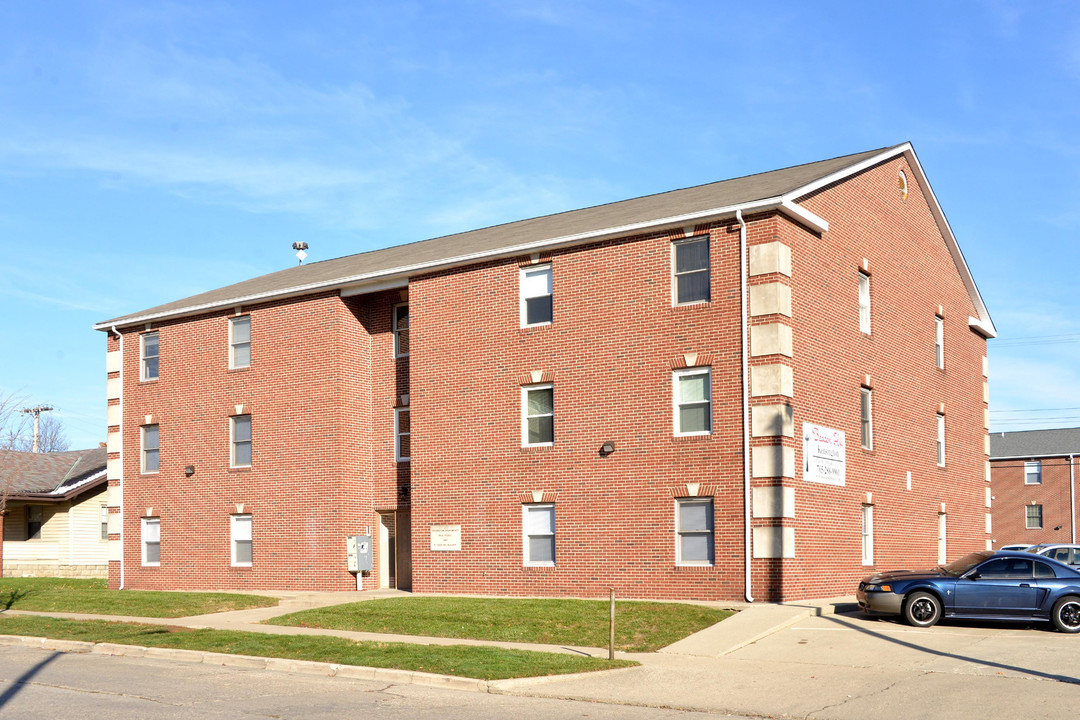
844	666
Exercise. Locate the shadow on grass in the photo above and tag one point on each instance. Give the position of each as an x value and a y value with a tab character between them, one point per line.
9	598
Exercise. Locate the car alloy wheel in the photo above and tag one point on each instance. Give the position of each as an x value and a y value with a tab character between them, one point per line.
922	610
1066	614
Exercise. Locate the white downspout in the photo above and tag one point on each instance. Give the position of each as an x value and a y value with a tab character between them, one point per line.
743	314
121	338
1072	496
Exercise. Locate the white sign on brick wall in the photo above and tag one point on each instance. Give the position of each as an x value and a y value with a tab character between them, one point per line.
824	454
446	537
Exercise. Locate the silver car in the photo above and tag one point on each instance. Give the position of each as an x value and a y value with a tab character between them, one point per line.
1062	552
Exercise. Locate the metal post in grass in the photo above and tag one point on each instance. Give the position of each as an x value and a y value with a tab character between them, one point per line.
611	629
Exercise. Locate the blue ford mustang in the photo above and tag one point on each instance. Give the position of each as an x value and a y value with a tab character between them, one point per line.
988	585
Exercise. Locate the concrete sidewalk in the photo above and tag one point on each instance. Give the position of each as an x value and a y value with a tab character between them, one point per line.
665	679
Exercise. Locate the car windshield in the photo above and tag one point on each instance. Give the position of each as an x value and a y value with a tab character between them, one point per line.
958	567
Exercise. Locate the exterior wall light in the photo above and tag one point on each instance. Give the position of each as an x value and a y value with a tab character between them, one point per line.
189	470
607	448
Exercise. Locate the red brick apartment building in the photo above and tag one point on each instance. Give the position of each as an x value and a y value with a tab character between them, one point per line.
1033	477
758	388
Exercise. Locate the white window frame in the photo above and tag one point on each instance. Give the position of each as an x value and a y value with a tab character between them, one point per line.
233	345
143	357
941	440
707	239
867	534
1027	517
526	560
397	331
711	532
864	302
523	298
1035	465
398	434
942	538
939	341
525	414
143	449
144	540
676	377
233	441
866	401
234	520
104	515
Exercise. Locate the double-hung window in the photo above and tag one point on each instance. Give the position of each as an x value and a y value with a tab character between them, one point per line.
941	440
694	530
692	398
402	435
538	523
866	415
151	541
864	302
240	539
1033	517
537	415
690	270
151	449
240	431
148	355
400	319
939	341
240	342
104	522
1033	472
536	296
867	534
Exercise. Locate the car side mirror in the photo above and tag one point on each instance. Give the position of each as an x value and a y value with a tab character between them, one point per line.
973	576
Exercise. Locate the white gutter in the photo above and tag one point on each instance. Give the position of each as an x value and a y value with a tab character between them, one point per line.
744	322
121	337
1028	457
401	273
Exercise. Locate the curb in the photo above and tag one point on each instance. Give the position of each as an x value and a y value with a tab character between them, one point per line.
307	667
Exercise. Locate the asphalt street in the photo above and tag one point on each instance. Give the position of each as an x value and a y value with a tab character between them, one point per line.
42	685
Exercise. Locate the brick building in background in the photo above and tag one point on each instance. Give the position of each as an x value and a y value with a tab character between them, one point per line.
763	387
1033	476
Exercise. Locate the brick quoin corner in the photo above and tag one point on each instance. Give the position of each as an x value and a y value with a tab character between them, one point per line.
324	382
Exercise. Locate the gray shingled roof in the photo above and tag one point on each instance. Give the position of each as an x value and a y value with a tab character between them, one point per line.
1033	443
444	249
54	472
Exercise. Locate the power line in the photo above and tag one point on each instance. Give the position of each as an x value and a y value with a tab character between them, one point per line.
1036	410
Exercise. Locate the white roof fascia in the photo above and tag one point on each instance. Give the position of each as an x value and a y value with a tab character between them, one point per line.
406	270
798	212
984	325
1032	457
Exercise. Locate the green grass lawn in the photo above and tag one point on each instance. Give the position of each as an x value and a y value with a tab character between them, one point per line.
639	626
94	597
485	663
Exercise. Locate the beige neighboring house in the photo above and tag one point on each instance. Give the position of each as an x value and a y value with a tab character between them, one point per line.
56	522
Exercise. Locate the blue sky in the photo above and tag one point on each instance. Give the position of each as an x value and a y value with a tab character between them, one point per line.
152	151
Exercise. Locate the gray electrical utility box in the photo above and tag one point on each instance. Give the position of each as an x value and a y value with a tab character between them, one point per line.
358	548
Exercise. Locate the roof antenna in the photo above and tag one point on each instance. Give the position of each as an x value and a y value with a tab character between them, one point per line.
300	247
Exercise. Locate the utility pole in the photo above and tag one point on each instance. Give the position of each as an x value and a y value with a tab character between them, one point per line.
37	414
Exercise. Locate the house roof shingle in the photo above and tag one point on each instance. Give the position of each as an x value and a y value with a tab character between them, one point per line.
1035	443
675	203
50	473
